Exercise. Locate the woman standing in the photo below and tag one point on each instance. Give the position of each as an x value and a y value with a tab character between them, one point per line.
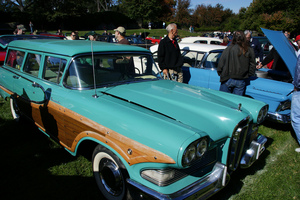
236	64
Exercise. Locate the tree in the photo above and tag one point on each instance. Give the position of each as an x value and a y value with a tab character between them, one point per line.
272	14
150	10
209	16
182	13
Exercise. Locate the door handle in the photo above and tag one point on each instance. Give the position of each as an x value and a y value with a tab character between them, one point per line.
16	77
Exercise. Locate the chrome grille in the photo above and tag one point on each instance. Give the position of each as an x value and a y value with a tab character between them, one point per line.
237	144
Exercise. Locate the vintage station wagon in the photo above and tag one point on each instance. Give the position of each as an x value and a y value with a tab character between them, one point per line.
150	137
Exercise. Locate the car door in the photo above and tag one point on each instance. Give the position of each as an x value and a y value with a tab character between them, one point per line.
210	64
25	85
203	73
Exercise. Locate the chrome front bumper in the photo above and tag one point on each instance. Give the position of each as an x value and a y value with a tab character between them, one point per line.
255	150
279	117
201	189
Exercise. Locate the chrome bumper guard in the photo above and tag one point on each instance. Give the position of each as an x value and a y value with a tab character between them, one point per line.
253	153
201	189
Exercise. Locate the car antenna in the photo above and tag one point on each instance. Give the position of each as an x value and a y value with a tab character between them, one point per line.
94	75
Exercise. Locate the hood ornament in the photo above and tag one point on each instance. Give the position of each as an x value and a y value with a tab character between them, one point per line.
239	107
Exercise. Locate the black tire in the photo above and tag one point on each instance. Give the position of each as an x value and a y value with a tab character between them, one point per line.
110	174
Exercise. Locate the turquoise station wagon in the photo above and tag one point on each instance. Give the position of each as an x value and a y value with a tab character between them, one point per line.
150	137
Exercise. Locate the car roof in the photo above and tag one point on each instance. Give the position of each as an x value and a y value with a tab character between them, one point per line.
192	39
201	47
194	47
73	47
6	39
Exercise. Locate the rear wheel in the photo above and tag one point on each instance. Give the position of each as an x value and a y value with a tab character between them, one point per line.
110	174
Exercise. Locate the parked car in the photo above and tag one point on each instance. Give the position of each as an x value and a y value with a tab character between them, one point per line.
154	39
6	39
265	44
270	86
202	40
133	40
165	139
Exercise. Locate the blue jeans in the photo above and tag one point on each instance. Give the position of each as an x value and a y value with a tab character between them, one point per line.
234	86
295	114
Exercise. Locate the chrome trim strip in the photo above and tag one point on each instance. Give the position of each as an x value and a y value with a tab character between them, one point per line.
202	188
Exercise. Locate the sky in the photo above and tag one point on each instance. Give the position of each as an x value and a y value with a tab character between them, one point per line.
233	5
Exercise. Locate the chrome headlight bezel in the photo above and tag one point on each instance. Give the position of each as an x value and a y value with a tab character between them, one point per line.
262	114
285	105
195	151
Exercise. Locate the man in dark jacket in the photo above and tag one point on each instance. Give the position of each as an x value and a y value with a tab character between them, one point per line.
237	63
169	56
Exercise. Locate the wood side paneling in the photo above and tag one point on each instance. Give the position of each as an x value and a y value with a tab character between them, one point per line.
70	128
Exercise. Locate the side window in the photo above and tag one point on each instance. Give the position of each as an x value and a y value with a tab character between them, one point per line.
201	41
32	64
15	59
192	59
215	42
212	60
54	68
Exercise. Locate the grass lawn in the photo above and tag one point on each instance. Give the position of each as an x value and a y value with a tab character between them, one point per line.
35	167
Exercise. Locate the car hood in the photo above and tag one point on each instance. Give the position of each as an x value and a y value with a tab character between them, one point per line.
283	47
195	107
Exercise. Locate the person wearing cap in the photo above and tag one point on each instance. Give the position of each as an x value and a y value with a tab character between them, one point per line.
169	56
21	29
92	36
297	40
120	33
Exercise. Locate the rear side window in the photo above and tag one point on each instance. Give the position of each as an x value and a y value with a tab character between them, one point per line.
54	68
32	64
215	42
15	59
201	41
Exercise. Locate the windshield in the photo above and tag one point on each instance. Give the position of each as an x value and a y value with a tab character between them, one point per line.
110	70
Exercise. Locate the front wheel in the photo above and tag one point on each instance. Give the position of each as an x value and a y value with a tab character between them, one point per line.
110	174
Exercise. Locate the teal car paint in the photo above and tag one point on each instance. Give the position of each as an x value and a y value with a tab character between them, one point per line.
152	137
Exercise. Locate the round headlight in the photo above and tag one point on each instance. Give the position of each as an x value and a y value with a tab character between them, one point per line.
262	114
189	155
201	147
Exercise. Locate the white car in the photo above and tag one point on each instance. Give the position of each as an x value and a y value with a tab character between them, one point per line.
202	40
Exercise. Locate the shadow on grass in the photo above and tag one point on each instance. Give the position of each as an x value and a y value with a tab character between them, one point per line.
278	126
26	158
